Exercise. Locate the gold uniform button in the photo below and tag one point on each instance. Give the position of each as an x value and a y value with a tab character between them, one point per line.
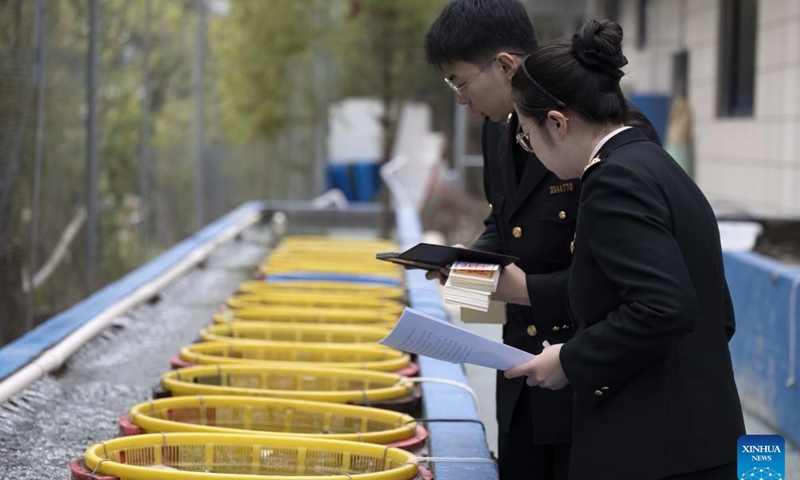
562	215
598	393
564	327
556	328
532	331
491	207
517	232
604	388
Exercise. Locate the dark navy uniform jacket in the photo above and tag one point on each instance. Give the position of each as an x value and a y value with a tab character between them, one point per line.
649	363
533	218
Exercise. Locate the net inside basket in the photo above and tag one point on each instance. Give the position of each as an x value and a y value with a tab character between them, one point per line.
216	413
294	333
281	313
358	264
332	385
173	455
320	286
308	299
369	358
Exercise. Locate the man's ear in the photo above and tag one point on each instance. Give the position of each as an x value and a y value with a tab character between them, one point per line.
508	63
558	122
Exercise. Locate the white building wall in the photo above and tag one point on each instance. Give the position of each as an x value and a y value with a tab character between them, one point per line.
750	164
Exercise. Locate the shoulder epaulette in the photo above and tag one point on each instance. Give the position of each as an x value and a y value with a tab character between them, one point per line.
595	161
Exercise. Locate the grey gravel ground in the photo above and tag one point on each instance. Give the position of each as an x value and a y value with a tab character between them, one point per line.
52	422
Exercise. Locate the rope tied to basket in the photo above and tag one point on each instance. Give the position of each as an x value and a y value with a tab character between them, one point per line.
97	466
385	453
203	413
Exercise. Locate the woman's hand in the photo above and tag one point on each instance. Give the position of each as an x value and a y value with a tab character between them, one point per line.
513	286
543	371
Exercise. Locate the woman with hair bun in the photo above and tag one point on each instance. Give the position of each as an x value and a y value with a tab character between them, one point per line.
654	392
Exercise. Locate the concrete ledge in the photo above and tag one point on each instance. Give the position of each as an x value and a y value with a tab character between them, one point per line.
449	440
23	350
28	347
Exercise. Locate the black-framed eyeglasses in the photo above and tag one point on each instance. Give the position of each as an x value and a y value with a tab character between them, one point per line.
459	89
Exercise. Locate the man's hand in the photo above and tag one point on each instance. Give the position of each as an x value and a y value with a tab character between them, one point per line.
443	272
543	371
440	274
513	286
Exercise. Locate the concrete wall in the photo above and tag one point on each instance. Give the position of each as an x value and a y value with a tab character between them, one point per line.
748	163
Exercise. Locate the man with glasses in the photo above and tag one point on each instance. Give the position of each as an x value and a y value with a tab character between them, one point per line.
478	45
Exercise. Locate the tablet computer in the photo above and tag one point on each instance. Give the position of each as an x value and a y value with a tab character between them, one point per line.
428	256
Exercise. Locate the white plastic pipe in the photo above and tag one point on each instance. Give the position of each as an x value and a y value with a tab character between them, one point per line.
55	357
332	198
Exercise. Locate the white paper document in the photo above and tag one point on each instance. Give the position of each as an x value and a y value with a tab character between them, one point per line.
419	333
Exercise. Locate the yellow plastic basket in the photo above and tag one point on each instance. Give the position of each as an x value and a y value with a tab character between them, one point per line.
338	385
318	286
376	357
310	299
327	251
272	416
196	456
339	243
369	267
284	332
325	254
307	315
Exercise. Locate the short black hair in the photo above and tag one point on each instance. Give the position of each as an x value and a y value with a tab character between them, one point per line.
475	30
581	75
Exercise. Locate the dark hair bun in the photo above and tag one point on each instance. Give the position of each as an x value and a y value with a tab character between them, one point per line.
598	46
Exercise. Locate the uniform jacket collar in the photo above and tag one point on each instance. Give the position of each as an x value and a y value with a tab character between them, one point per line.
533	173
622	138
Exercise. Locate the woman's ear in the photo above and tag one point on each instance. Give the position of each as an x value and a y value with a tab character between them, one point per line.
558	122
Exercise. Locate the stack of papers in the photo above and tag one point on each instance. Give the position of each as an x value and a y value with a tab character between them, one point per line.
471	285
419	333
476	276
